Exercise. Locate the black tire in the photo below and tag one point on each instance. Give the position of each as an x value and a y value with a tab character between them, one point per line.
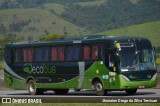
131	91
77	90
31	86
61	91
98	86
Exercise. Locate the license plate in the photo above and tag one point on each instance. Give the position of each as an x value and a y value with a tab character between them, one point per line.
141	87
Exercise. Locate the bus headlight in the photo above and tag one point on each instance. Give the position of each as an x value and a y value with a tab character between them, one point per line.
124	77
154	77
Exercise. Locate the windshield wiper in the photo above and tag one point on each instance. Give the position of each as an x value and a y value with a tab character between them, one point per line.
131	68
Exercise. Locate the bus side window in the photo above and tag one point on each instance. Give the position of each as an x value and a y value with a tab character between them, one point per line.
17	55
86	53
69	53
28	55
61	54
25	55
54	54
45	52
73	53
13	55
95	52
38	54
76	53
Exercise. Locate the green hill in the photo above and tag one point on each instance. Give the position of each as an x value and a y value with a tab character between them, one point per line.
100	15
35	23
34	18
150	30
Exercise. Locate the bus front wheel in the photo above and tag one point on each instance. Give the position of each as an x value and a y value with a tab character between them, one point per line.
131	91
98	86
32	88
77	90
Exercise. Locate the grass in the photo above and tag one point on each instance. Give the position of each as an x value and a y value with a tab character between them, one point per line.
1	65
87	104
158	61
149	30
58	8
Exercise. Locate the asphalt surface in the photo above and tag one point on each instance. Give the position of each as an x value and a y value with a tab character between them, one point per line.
142	96
88	93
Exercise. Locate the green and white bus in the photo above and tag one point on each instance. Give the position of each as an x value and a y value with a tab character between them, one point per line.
101	63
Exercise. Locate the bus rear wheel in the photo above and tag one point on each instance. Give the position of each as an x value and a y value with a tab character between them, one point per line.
32	88
61	91
98	86
131	91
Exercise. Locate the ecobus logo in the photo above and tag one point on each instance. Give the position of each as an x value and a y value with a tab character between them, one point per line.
44	69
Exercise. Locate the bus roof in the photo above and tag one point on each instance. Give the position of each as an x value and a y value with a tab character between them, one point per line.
78	39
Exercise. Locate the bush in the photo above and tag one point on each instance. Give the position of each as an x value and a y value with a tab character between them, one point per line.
50	37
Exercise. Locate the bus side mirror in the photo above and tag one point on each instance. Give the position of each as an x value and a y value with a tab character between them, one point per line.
115	51
117	57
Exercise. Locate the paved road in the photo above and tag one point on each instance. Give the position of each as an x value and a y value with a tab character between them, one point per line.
24	93
153	95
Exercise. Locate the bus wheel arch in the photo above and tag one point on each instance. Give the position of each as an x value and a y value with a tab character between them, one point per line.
31	87
29	78
99	87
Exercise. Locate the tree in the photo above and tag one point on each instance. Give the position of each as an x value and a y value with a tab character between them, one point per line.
2	29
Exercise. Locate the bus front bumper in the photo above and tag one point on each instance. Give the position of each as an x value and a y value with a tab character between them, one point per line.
126	84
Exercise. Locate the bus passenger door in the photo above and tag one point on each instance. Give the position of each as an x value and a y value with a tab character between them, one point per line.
112	66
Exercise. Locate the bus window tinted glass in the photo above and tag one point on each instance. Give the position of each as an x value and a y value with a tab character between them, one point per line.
18	55
38	56
95	52
76	53
45	53
86	53
25	55
60	54
146	56
30	55
69	53
54	54
73	53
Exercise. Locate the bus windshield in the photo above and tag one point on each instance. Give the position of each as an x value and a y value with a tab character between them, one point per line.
136	57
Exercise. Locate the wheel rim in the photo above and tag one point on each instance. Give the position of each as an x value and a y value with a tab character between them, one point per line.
99	87
32	87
